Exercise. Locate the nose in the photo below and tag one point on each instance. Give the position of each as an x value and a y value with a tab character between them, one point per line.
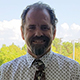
38	32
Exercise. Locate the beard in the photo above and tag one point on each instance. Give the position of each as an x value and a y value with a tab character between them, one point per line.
39	49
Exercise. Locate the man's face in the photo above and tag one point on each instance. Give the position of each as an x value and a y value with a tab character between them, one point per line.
38	33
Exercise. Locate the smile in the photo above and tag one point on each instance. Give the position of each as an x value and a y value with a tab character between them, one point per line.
38	41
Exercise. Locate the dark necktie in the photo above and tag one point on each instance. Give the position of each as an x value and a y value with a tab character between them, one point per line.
40	74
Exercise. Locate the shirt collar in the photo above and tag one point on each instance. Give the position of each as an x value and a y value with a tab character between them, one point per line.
44	58
30	59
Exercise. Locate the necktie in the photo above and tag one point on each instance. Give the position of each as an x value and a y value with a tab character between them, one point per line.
40	74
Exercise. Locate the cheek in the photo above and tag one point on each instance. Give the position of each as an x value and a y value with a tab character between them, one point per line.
27	35
49	34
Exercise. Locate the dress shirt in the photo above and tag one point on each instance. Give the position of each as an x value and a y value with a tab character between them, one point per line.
58	67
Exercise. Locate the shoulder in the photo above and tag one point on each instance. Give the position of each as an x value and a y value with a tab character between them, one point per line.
13	63
10	69
67	64
63	59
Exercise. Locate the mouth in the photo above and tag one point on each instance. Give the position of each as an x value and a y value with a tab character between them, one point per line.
38	41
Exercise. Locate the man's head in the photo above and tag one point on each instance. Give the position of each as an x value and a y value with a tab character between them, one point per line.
38	28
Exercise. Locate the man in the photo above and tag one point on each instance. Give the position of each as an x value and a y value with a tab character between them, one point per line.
38	29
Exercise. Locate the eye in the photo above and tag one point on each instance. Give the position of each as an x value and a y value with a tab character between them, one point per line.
45	27
31	27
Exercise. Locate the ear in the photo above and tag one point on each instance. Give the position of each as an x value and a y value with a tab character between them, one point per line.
22	33
54	33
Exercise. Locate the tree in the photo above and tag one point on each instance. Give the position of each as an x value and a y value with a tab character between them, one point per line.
67	48
53	49
24	47
56	43
10	53
77	54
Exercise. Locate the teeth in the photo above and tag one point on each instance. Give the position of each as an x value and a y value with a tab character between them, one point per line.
39	41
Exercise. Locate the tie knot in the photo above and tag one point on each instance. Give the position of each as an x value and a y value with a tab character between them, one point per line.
39	64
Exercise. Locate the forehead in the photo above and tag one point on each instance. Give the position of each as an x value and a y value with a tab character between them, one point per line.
38	15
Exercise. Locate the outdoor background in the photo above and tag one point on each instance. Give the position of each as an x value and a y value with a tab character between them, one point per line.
67	41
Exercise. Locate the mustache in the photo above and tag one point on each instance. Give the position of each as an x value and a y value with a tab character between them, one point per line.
39	38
